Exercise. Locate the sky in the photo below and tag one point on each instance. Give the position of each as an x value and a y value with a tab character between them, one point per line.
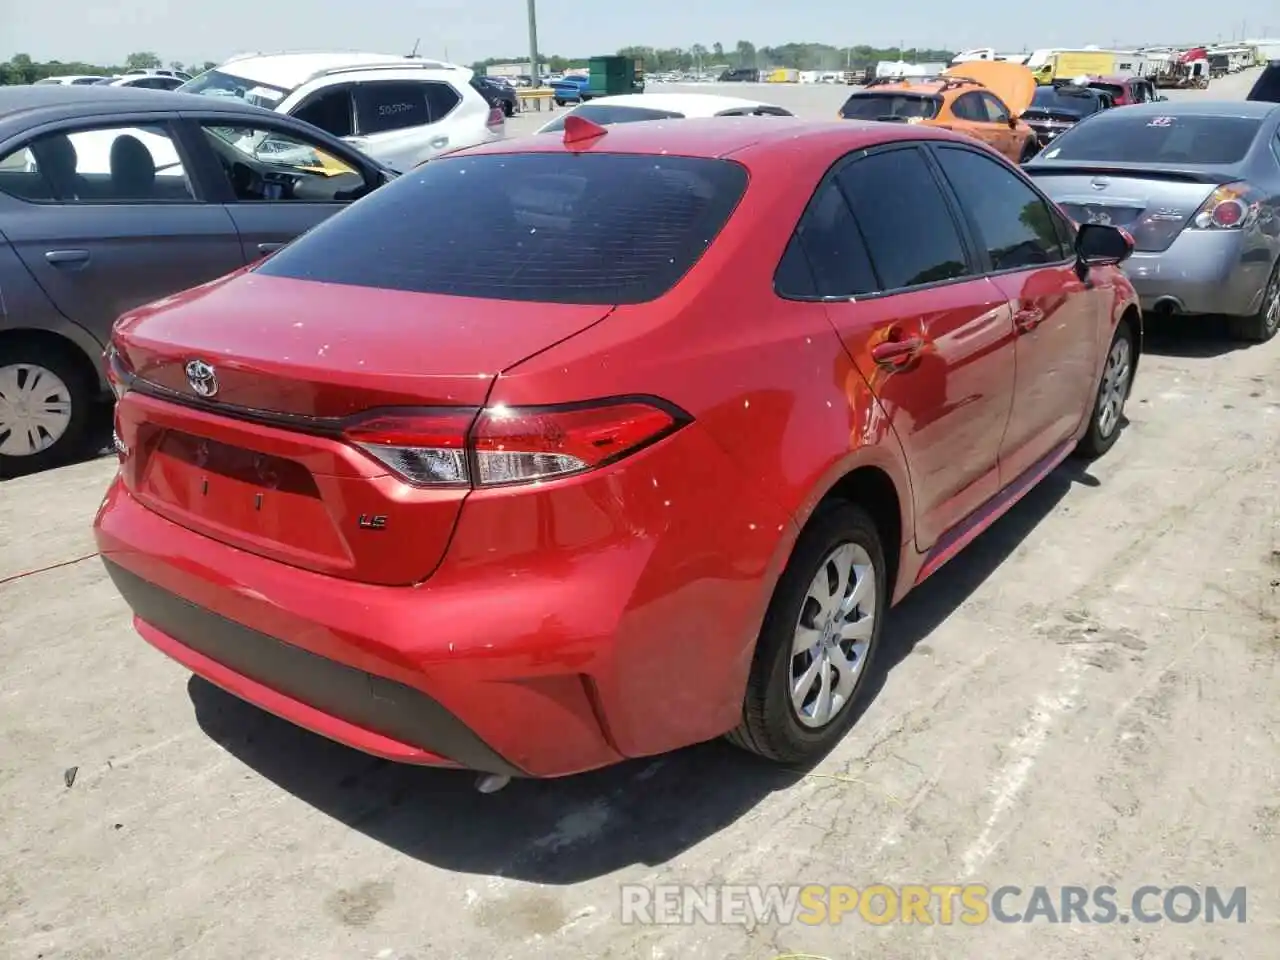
106	31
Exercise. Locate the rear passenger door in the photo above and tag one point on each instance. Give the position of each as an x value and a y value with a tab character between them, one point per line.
109	217
932	337
1026	247
971	117
401	122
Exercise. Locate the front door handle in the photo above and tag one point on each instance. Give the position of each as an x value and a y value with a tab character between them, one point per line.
896	354
1027	320
265	248
67	258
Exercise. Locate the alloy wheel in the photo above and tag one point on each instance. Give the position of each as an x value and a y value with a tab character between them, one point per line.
1115	387
35	409
1271	305
837	621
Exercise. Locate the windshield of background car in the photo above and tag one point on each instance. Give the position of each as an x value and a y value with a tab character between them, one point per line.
216	83
605	114
593	228
1057	100
1125	136
890	106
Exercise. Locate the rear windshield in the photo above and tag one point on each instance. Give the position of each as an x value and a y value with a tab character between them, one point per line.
604	114
1065	100
889	106
1133	135
545	227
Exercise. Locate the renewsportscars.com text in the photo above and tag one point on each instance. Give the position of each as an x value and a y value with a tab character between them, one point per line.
927	904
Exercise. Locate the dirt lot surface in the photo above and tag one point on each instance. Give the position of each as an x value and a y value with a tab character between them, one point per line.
1089	695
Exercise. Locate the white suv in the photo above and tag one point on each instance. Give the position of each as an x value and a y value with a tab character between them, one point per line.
398	110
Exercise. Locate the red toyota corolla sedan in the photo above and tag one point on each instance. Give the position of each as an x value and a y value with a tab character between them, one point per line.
560	451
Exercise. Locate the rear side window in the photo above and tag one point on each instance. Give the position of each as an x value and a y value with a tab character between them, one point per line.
970	107
1143	136
605	115
329	110
391	106
889	106
551	228
827	256
910	234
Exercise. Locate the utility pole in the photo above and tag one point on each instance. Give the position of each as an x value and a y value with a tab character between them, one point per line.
533	44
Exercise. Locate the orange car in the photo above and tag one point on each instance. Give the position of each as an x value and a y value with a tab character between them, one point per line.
983	98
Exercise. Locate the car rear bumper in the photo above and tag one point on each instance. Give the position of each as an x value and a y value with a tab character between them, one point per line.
1202	272
561	633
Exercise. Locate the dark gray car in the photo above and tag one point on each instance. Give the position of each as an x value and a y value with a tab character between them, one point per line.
1197	184
112	197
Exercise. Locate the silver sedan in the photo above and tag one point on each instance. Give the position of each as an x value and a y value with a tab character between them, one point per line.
1197	184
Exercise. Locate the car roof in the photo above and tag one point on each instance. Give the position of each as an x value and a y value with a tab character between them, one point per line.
690	104
719	137
924	86
22	107
289	70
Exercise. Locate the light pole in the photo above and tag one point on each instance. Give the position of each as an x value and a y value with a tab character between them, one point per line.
533	44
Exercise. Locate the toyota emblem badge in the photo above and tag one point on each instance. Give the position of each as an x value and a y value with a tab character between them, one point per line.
203	378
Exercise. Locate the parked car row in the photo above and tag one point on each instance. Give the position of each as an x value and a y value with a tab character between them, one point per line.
325	430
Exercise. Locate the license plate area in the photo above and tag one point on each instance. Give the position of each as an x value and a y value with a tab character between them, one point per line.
239	495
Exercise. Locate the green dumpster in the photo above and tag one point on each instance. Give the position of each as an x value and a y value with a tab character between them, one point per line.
610	76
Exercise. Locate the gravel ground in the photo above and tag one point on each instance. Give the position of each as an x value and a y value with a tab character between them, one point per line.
1087	696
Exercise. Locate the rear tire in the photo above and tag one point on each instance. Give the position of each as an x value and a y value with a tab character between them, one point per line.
812	658
46	402
1107	415
1264	324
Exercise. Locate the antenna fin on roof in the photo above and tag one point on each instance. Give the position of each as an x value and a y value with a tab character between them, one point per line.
580	130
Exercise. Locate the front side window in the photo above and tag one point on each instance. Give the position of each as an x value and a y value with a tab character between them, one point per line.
910	234
265	165
1017	226
996	111
970	107
102	165
331	110
543	227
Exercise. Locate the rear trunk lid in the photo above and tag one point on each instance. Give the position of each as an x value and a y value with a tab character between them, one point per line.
1153	204
260	463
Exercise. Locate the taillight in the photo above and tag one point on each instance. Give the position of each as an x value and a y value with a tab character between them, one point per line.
1231	206
497	117
504	445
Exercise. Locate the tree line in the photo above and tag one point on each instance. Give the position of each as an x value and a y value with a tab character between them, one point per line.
20	68
699	57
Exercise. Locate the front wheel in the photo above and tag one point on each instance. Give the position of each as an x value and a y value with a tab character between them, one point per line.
559	102
1113	391
45	401
818	639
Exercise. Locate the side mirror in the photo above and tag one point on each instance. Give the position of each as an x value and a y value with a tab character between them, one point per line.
1098	245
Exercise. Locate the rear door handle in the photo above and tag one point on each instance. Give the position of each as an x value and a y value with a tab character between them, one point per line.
897	353
67	258
1028	320
269	247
